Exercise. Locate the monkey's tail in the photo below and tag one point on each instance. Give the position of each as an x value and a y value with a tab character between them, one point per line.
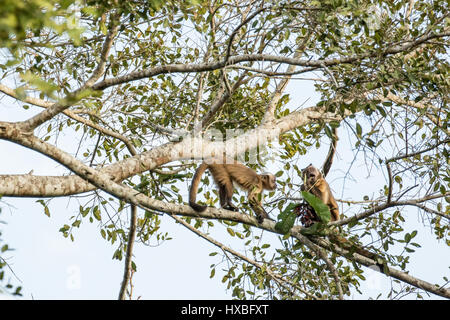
194	187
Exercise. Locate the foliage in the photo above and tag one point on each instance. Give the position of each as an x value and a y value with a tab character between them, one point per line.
385	84
322	211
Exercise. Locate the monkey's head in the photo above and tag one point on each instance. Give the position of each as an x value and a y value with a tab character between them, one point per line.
269	181
310	175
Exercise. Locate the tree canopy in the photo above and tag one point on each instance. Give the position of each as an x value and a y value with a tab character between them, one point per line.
145	89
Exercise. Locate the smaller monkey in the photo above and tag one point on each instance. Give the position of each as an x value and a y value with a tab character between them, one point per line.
227	174
316	184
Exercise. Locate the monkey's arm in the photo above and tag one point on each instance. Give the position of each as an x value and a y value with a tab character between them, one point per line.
254	198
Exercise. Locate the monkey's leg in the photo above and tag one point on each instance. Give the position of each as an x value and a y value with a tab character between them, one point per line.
222	196
226	195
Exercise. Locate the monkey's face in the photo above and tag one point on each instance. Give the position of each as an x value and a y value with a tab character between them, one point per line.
269	181
310	175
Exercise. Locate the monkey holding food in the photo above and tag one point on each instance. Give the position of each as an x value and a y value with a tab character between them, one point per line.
244	177
315	183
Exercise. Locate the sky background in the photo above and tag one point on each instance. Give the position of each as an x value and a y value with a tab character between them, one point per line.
49	266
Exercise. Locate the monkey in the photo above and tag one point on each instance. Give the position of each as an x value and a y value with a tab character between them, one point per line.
227	174
316	184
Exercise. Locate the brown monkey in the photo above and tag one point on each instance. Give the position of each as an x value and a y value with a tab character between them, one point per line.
316	184
244	177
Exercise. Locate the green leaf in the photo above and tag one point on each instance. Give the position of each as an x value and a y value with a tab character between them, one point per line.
358	130
47	211
76	223
321	209
286	219
97	213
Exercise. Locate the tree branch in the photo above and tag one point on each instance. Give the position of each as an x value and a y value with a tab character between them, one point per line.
386	205
51	111
189	148
131	196
402	276
185	68
331	153
278	278
129	253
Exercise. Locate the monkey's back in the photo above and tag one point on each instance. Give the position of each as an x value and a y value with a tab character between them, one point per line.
245	177
242	176
220	174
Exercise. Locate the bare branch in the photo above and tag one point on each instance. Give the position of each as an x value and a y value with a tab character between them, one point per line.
386	205
107	44
389	171
185	68
417	152
129	253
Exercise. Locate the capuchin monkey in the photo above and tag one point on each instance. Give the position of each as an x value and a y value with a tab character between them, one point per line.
315	183
244	177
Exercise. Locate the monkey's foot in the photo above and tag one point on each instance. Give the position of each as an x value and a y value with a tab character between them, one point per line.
230	208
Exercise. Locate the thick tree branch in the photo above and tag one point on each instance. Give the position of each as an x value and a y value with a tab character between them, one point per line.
189	149
71	114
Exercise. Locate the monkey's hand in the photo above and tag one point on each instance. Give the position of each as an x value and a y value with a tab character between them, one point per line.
261	214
